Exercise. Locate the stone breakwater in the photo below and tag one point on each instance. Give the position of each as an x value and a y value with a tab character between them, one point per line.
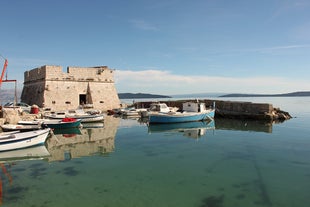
225	109
234	109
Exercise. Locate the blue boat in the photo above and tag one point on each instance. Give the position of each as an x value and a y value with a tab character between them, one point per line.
191	112
62	124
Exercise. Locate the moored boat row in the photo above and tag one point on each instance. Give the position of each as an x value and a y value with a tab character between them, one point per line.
25	132
161	113
86	117
58	120
42	123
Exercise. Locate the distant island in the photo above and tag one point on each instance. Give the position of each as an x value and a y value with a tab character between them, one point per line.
294	94
140	95
146	95
7	95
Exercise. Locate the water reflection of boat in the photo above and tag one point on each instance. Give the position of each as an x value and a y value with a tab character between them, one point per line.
93	125
189	129
67	131
37	152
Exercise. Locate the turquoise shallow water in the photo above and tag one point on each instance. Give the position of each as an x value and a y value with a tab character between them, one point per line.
237	163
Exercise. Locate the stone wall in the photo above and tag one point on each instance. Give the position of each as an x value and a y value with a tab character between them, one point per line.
234	109
37	74
243	109
50	87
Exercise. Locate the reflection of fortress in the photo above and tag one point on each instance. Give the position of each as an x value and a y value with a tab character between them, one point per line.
90	141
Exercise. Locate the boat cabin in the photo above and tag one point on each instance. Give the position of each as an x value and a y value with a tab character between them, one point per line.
159	107
194	107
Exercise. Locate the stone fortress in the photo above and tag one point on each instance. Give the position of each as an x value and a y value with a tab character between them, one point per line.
50	87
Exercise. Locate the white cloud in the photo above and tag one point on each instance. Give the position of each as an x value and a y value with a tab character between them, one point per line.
165	82
285	47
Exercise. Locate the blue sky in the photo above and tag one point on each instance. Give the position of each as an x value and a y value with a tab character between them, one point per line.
165	46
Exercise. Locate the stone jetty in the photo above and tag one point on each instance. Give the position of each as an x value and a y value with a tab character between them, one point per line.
224	109
234	109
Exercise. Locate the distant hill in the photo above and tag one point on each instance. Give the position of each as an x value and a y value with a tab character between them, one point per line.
140	95
198	95
8	95
294	94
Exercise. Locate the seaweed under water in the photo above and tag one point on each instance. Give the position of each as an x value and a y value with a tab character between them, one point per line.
15	193
70	171
213	201
37	172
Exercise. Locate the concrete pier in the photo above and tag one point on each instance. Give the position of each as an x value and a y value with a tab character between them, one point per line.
234	109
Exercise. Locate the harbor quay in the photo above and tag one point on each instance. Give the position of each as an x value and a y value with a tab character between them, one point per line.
223	109
233	109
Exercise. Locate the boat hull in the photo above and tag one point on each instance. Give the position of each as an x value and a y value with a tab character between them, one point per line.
181	126
57	124
77	114
23	139
88	118
180	117
19	127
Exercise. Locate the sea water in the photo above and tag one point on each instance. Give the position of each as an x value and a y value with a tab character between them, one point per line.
227	163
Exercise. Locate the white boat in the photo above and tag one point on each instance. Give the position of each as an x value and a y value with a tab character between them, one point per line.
158	108
88	118
93	125
21	140
162	107
77	114
133	112
191	112
33	122
20	127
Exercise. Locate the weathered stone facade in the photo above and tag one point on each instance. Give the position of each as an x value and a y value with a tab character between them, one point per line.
50	87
